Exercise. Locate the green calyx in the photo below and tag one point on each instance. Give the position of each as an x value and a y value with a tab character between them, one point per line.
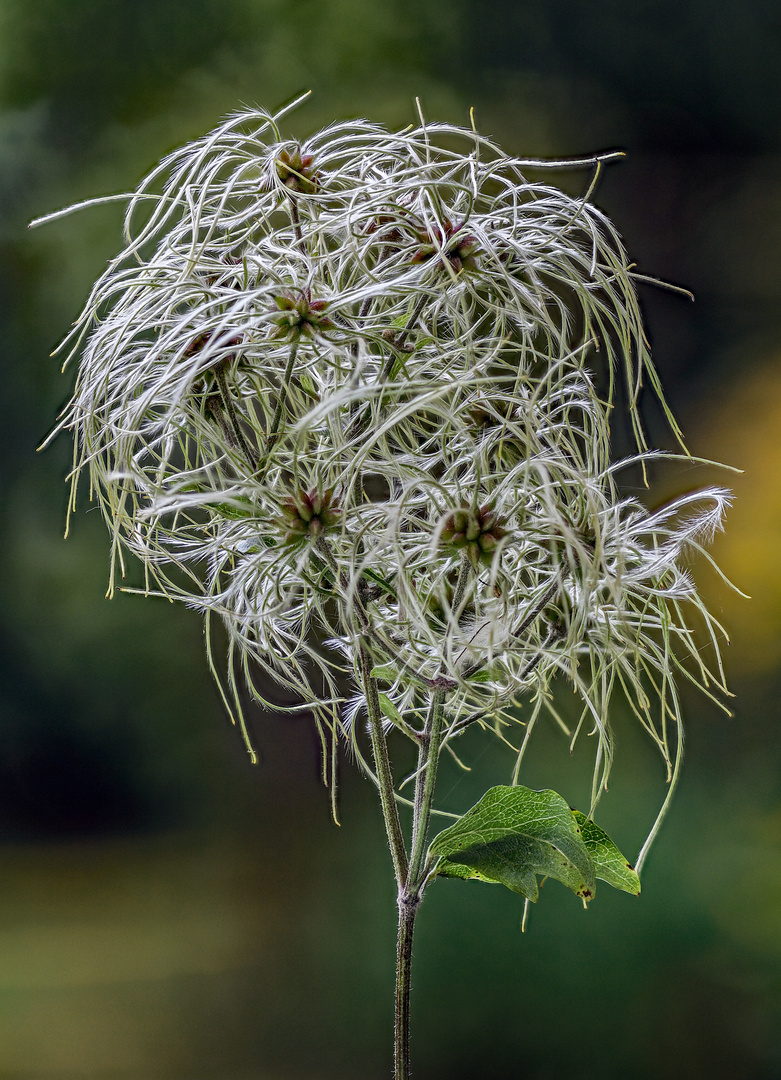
445	241
451	243
199	343
300	316
307	515
475	531
297	171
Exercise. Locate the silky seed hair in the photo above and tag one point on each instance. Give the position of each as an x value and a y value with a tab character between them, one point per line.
359	390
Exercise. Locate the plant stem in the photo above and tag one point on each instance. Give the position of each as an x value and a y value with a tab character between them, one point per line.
295	217
428	759
428	756
235	424
407	911
358	413
384	775
401	338
274	429
410	894
382	763
272	437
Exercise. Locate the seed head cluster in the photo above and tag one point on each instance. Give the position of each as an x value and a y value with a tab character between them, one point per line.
355	394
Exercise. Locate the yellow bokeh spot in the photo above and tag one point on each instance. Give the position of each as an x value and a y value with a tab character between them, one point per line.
746	432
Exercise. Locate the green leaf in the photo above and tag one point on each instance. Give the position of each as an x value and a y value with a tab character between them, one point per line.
513	834
481	676
609	864
389	674
386	674
372	575
390	710
238	508
308	386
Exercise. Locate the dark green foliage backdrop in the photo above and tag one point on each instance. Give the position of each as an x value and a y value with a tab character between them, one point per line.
171	912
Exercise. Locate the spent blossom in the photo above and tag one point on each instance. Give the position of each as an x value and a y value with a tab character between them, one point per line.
352	397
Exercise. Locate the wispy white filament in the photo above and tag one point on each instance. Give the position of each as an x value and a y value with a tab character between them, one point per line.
384	331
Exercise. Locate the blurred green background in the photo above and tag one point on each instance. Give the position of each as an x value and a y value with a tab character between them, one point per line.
167	911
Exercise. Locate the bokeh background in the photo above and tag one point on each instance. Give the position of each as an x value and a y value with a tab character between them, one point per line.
168	911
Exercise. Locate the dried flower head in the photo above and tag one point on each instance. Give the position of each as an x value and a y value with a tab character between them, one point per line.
346	396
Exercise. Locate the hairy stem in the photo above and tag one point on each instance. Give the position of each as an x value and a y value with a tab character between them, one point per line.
214	405
295	217
407	911
357	413
227	403
428	757
357	613
384	774
410	894
273	431
401	338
